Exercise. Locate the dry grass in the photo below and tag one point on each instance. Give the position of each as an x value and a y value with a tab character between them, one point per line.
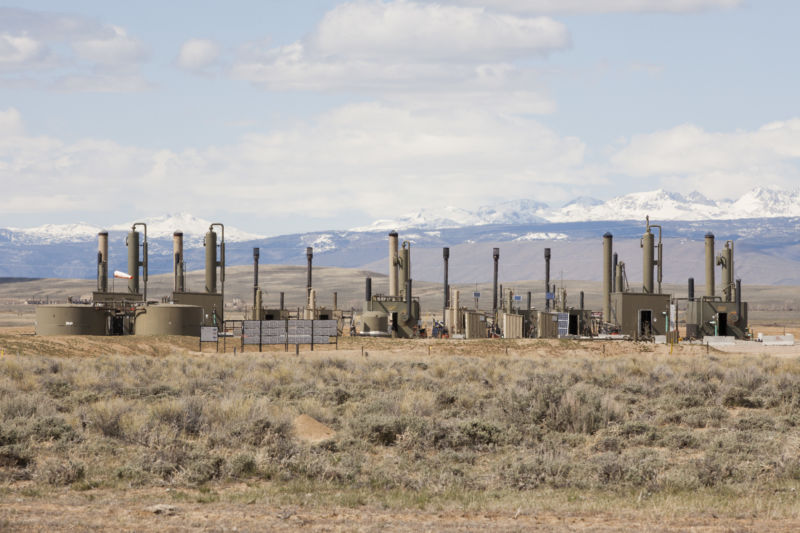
563	425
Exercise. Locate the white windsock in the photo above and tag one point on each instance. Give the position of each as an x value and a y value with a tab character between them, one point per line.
123	275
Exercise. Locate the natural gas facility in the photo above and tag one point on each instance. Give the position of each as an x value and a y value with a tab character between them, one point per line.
629	312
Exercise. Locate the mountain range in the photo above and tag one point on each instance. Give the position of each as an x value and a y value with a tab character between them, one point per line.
765	223
760	202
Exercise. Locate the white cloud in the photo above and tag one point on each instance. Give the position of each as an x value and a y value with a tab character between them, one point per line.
395	31
18	50
11	122
600	6
197	54
369	157
113	48
402	45
59	51
717	164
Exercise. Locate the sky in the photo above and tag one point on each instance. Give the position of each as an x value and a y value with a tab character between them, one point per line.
290	116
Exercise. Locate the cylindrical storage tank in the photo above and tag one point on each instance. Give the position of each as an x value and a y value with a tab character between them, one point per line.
374	322
710	265
70	320
102	261
647	262
169	319
394	289
133	261
607	252
210	242
177	261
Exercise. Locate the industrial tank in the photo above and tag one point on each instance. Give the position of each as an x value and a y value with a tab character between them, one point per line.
374	323
169	319
70	320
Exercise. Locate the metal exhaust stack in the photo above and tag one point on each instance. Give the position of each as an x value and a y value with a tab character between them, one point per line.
710	265
132	242
607	250
725	260
618	277
647	260
280	304
368	290
446	288
738	300
102	261
177	262
309	257
546	278
528	308
256	254
691	289
614	284
405	266
210	242
496	257
409	303
393	287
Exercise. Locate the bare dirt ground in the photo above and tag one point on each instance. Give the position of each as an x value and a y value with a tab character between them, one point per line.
137	513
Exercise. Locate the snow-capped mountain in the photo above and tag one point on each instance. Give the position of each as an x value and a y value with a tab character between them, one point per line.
53	233
157	227
767	202
659	205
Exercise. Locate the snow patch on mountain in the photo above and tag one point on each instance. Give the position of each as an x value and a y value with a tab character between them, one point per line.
542	236
761	202
192	227
320	243
54	233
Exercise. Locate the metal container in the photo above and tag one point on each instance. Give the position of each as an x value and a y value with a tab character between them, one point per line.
169	319
70	320
373	322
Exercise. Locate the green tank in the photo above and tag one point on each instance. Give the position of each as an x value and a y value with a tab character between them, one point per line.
169	319
70	320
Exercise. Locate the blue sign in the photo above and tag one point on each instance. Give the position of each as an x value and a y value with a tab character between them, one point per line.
549	296
517	298
476	295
